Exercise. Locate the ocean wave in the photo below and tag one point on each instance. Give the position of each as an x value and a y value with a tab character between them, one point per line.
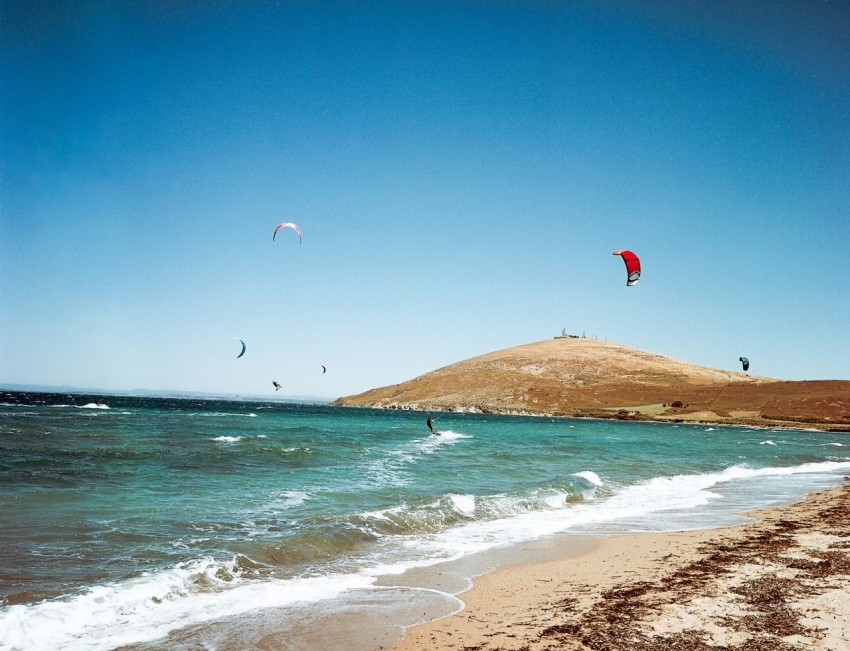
455	525
549	517
453	509
388	470
590	476
653	496
228	439
148	607
289	499
691	491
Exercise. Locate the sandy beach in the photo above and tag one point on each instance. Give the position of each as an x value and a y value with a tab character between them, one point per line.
778	583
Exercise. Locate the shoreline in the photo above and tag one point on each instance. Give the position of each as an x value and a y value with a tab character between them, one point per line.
634	416
776	583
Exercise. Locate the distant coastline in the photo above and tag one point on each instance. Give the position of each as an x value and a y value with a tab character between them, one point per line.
150	393
608	415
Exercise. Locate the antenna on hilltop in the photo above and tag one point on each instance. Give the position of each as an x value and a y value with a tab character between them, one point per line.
565	335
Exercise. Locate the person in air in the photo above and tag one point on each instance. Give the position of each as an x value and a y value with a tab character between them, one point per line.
431	426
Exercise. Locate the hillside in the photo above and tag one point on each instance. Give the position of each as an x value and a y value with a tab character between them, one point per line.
584	377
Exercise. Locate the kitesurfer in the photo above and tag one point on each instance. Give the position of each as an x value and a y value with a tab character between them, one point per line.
431	426
276	385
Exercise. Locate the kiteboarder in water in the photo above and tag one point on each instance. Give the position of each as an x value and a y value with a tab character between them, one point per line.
431	426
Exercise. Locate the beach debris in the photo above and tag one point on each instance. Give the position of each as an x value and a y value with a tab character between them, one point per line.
760	582
243	346
745	363
287	225
632	266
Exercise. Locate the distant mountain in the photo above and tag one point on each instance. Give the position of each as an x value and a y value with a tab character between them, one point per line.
163	393
585	377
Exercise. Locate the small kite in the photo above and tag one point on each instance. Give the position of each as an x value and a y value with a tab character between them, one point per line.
632	266
324	370
287	225
243	346
745	363
276	385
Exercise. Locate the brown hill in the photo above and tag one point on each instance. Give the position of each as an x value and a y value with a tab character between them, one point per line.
584	377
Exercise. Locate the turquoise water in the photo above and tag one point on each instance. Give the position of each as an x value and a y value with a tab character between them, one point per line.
124	521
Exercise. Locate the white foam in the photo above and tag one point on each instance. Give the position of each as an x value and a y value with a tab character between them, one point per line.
148	607
768	442
590	476
432	443
464	504
449	435
228	439
675	493
437	514
292	498
93	405
389	469
554	499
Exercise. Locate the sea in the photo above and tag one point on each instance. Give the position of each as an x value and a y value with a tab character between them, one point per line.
147	523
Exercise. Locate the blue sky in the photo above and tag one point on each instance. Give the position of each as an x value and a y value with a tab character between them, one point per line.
461	173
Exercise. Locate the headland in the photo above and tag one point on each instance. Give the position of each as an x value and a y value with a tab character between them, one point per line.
580	377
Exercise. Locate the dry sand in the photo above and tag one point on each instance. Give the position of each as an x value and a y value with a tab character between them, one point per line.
779	583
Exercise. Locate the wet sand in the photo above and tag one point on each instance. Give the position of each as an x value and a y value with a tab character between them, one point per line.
779	583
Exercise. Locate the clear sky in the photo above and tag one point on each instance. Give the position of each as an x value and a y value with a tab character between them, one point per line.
461	171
